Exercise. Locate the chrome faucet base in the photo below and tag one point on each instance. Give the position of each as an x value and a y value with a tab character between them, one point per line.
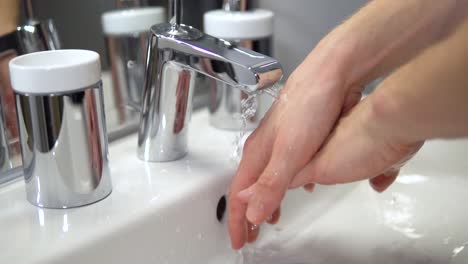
226	103
176	54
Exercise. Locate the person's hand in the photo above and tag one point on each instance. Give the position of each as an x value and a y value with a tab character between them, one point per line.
362	146
288	137
293	147
314	134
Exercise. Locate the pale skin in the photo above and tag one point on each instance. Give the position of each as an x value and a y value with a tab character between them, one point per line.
319	132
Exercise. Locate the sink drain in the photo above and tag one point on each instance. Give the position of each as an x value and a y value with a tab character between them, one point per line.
221	208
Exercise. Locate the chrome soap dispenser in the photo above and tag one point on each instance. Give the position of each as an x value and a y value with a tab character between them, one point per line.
247	28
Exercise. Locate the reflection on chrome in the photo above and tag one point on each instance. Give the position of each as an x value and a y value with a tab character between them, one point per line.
176	54
64	148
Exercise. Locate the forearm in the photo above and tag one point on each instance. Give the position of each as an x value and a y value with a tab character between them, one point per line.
428	97
384	35
9	12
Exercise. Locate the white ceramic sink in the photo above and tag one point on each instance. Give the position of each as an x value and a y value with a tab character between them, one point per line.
166	213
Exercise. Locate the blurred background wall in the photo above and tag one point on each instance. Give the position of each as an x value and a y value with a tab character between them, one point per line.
299	24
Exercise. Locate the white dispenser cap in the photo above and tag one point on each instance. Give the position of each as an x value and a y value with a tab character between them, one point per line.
129	21
54	71
254	24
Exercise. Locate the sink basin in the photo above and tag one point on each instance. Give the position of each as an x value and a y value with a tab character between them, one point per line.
167	213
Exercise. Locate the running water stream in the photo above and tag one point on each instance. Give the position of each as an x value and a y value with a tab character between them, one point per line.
250	255
249	107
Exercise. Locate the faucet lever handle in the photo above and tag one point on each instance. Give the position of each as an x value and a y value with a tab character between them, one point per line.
176	12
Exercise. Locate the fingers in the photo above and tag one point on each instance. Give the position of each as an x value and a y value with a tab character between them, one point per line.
353	98
266	197
253	231
253	162
274	218
383	181
355	152
309	187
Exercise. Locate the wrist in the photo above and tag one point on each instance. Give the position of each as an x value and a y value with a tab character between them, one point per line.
327	66
386	117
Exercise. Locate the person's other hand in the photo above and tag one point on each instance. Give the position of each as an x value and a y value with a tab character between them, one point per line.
361	147
288	137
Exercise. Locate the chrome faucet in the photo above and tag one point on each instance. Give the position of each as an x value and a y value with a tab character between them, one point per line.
176	54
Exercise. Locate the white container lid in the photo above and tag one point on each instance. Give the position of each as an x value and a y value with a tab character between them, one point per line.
254	24
54	71
130	21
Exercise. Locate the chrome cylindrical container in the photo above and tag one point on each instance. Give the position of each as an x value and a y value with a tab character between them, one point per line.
32	37
126	32
60	113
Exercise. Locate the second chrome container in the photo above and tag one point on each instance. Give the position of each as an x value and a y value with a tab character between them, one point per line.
60	112
126	32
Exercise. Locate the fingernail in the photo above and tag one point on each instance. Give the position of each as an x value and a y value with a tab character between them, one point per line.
245	195
254	214
235	246
376	186
309	187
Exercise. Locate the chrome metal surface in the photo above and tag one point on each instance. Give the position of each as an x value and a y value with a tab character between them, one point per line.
235	5
32	37
127	59
5	163
28	10
174	59
226	103
37	36
177	12
10	150
64	148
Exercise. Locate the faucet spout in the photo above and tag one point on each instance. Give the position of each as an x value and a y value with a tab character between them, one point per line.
175	56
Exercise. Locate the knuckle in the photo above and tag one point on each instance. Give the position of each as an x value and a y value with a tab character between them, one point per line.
383	107
270	183
236	209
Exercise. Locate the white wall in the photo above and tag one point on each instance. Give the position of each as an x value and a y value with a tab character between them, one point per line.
300	24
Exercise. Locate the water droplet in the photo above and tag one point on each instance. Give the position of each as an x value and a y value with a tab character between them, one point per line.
248	110
457	250
253	227
274	91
